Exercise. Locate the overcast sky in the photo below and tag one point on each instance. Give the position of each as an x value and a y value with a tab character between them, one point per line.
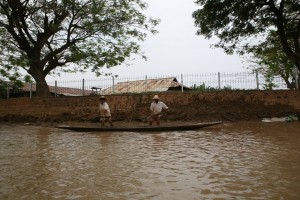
175	49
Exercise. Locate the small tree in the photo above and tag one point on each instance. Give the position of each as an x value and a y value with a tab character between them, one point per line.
44	36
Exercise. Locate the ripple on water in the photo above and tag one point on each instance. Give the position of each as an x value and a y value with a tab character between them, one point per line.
45	163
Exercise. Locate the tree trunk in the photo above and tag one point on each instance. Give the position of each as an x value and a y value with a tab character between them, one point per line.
298	64
42	88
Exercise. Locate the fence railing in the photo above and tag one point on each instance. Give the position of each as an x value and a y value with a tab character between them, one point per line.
120	85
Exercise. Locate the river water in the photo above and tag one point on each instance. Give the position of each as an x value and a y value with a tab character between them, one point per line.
251	160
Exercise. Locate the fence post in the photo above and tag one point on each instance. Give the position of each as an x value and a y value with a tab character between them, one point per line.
257	80
296	78
7	91
82	87
181	82
219	80
146	83
113	84
30	92
55	90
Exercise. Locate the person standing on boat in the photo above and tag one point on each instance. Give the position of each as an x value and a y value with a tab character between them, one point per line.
104	111
157	107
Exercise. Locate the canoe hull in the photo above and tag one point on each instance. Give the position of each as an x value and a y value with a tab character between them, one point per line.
140	128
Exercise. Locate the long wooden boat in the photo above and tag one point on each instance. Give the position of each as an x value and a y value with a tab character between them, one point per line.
139	128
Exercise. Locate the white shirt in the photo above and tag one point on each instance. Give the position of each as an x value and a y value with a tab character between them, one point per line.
157	107
104	110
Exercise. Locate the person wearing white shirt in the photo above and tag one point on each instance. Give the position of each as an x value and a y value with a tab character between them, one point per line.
156	108
104	111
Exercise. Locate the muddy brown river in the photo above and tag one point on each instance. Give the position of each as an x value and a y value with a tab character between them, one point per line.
245	160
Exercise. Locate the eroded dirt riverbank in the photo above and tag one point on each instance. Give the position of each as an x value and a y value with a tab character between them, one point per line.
232	106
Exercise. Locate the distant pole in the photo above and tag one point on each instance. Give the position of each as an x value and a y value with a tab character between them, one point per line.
257	80
82	87
181	82
219	80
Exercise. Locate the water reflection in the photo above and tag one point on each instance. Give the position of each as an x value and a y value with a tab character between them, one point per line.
47	163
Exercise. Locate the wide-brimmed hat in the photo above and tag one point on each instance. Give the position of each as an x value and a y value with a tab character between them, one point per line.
155	97
102	97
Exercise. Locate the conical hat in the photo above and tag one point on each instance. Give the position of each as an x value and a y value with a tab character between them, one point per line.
155	97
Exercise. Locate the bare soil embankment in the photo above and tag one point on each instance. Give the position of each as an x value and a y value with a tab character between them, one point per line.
194	106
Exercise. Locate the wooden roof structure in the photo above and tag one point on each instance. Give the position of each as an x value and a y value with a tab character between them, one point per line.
148	85
63	91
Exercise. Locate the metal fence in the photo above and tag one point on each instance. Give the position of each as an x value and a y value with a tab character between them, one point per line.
117	85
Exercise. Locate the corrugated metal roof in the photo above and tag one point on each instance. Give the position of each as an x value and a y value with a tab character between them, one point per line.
149	85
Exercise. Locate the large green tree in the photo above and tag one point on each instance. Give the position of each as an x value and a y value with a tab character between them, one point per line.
239	24
44	36
269	59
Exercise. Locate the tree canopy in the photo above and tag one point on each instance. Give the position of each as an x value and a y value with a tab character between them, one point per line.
271	61
240	24
46	36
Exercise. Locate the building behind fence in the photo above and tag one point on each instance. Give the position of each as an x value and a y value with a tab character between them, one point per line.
122	85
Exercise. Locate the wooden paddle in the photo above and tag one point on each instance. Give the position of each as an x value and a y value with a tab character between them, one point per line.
147	118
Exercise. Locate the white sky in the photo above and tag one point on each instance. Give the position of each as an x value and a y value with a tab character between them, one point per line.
175	49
